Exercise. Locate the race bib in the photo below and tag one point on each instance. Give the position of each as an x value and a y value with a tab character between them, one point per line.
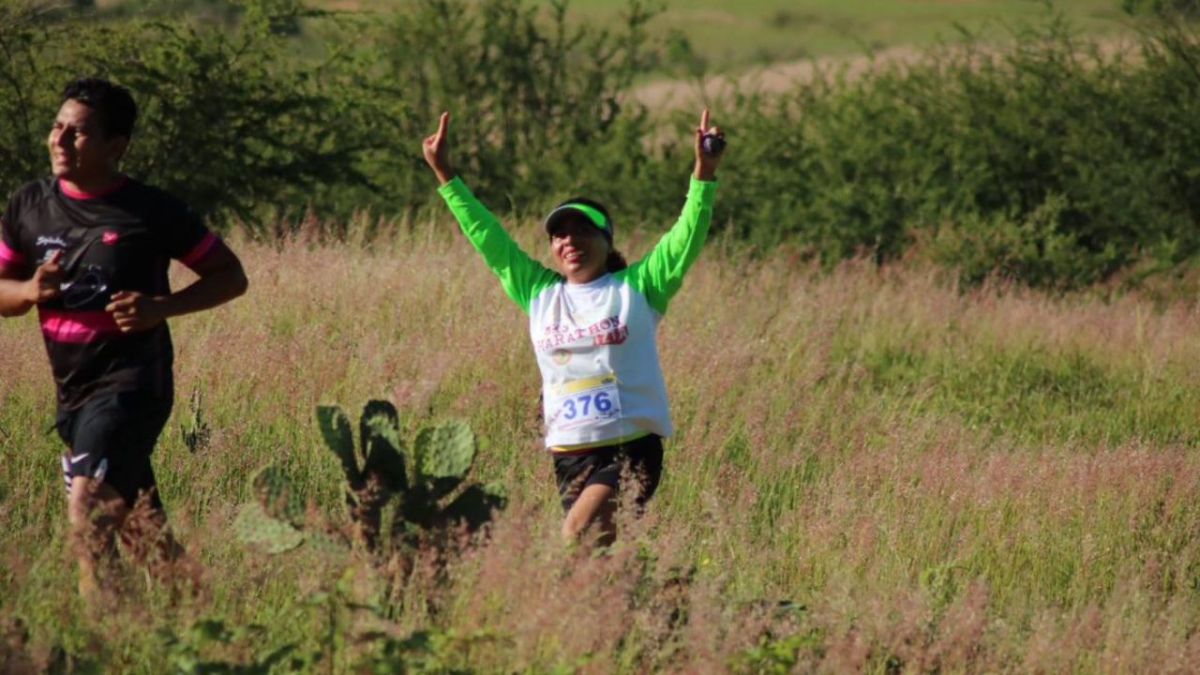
580	403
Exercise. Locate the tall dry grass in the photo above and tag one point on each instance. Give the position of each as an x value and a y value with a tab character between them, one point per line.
873	471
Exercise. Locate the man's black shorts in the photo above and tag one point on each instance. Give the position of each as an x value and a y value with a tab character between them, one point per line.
642	458
110	438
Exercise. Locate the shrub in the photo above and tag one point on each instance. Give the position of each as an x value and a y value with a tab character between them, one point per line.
536	102
228	120
1053	163
242	119
1189	8
26	104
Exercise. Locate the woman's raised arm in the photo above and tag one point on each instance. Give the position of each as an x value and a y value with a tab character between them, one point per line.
660	274
521	276
437	154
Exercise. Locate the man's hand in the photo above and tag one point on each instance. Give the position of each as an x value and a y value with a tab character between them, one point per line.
706	164
436	152
46	282
135	312
221	280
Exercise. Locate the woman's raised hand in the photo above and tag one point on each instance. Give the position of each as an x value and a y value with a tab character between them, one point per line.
710	143
436	153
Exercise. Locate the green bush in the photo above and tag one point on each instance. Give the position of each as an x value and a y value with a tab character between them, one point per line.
1162	7
26	103
228	119
1052	163
535	101
246	119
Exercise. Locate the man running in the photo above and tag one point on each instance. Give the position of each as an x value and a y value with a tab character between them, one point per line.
89	247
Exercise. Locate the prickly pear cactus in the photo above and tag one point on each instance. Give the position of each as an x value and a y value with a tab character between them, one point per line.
430	483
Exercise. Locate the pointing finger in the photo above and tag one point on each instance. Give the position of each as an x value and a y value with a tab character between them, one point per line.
704	120
443	124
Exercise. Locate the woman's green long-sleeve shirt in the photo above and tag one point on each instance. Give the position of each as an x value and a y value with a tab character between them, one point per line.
595	343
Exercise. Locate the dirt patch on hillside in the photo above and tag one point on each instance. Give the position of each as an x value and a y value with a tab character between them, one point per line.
782	77
776	77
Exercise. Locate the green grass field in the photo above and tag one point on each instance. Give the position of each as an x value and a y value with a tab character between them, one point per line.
873	472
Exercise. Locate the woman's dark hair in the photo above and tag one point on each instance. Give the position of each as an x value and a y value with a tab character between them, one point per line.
616	262
114	103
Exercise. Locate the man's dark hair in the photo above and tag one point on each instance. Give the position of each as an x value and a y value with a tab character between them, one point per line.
115	104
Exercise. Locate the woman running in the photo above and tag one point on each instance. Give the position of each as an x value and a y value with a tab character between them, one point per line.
593	324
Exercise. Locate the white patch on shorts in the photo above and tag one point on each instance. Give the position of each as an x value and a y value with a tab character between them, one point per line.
97	474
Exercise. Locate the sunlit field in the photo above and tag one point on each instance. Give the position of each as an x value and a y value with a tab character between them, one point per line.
874	472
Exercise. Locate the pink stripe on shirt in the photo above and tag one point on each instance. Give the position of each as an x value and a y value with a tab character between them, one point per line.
77	327
80	194
200	250
7	255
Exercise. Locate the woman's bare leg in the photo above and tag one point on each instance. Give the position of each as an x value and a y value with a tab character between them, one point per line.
595	505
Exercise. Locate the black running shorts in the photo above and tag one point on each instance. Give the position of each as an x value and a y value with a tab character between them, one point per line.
110	438
643	458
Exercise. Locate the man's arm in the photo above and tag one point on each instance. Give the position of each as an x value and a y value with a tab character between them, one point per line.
221	279
20	290
14	292
18	295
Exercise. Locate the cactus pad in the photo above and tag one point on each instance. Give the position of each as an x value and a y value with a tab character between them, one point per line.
446	451
382	449
273	490
338	435
377	415
254	526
